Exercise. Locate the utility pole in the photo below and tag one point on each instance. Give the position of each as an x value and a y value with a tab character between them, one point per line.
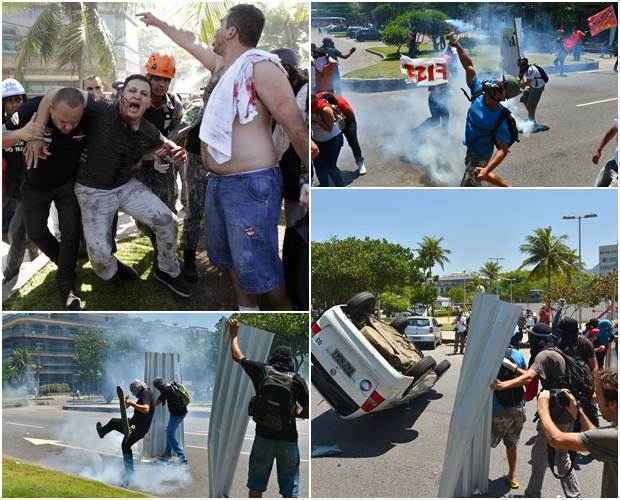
497	260
464	290
579	282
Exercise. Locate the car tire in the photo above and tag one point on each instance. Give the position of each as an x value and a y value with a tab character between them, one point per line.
442	367
425	364
360	306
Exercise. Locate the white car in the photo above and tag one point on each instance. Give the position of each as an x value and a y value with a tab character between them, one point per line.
353	376
423	330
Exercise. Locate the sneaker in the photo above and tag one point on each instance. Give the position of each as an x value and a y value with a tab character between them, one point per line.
72	301
361	166
125	273
176	284
100	430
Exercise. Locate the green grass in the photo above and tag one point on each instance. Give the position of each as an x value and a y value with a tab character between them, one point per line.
485	61
213	291
20	480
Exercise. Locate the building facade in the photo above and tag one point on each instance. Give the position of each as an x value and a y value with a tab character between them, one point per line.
453	280
607	259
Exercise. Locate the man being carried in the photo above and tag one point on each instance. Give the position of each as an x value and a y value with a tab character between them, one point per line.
170	393
139	423
276	386
117	138
245	189
490	129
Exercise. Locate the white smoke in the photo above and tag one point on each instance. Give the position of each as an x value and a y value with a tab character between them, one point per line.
460	26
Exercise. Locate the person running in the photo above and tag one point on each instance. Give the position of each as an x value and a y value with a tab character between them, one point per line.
94	86
14	169
560	56
139	423
276	431
609	173
117	137
490	129
533	79
165	112
177	408
53	181
245	186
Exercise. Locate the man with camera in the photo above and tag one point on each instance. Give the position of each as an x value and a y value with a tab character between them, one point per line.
601	443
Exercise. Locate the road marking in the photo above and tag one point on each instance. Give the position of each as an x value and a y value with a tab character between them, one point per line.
597	102
53	442
26	425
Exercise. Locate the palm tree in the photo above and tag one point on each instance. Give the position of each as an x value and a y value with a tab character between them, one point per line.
69	33
21	361
431	254
548	254
490	270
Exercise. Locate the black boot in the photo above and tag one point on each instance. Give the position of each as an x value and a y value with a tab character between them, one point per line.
189	266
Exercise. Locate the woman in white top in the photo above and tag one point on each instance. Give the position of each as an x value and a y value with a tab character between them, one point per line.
327	135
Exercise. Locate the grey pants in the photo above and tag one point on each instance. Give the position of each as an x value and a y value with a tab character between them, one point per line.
196	191
18	240
539	463
98	208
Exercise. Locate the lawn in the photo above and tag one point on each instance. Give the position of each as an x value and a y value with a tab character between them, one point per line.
20	480
485	60
213	291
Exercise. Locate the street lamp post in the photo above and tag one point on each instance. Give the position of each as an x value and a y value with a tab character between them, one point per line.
578	218
497	260
464	290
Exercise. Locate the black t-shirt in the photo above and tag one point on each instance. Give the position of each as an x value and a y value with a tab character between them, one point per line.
113	147
65	149
176	407
256	371
16	165
142	421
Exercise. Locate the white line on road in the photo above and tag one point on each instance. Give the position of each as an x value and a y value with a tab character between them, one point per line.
26	425
597	102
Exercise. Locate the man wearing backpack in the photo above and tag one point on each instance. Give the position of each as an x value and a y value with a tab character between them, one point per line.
556	369
281	397
490	129
534	78
509	412
177	398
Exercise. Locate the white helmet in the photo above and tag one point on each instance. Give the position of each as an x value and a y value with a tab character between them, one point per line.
11	87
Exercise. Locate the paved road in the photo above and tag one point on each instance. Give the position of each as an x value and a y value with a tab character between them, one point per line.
359	59
101	459
558	157
400	452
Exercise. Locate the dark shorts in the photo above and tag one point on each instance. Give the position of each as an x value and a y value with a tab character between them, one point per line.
242	232
507	427
286	456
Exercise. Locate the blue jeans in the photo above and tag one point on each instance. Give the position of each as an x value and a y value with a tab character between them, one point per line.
172	443
242	230
326	163
286	455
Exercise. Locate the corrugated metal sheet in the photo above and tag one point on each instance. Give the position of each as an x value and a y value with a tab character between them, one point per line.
466	464
229	410
168	367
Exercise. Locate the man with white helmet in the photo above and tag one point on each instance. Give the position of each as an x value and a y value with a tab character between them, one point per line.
139	423
13	96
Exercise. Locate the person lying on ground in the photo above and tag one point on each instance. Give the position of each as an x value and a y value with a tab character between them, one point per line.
245	189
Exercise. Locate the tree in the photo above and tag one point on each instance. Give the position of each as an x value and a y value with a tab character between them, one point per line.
383	14
21	362
419	22
491	270
425	294
90	356
392	302
290	329
431	254
394	34
70	33
548	254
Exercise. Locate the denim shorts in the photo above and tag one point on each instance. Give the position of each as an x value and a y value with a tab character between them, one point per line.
286	455
242	213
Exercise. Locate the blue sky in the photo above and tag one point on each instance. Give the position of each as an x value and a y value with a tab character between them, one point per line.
476	224
205	320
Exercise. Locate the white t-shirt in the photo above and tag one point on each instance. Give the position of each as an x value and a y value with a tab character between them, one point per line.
461	324
319	134
532	74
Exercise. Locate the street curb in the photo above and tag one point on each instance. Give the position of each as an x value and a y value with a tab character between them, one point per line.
391	84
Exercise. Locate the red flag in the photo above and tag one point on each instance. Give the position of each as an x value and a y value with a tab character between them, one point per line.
602	21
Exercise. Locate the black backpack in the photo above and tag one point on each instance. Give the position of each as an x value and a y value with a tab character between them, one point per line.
512	397
577	378
543	73
274	406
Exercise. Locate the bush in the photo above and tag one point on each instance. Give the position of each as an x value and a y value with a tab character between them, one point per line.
54	388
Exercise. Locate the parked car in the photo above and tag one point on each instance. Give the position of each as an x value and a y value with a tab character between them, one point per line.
352	31
366	34
352	374
423	330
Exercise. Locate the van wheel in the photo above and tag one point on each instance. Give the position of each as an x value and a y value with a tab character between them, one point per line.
442	367
360	306
425	364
